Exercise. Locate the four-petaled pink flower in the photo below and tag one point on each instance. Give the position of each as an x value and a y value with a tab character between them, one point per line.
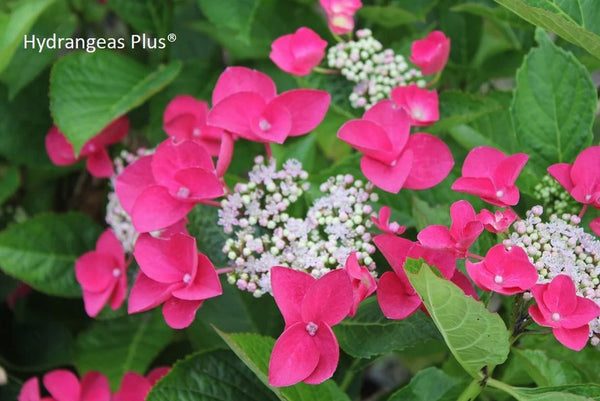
102	274
98	161
173	273
582	179
382	222
504	271
420	104
159	190
340	14
307	350
431	54
298	53
135	387
245	103
491	175
393	159
363	283
498	221
185	119
558	306
396	296
463	232
63	385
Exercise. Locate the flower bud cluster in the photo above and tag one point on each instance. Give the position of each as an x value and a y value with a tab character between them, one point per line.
266	230
561	246
376	71
116	217
554	197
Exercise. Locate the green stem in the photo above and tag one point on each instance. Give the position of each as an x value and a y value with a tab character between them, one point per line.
349	375
502	386
434	81
471	392
338	38
321	70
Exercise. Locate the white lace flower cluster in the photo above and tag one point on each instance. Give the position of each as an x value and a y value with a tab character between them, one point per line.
376	71
268	228
561	246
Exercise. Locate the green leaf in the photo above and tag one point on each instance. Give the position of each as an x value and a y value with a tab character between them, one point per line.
88	91
16	25
369	333
146	16
210	237
388	16
42	251
121	345
210	376
302	149
9	183
234	14
544	370
425	215
431	384
476	337
255	350
553	105
577	21
579	392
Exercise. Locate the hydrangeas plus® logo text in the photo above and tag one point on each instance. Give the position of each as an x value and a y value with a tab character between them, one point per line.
90	45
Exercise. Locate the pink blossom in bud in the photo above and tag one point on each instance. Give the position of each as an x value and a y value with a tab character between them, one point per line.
307	350
298	53
174	274
463	231
595	226
582	178
363	283
159	190
135	387
340	14
245	103
393	159
340	23
558	306
420	104
498	221
382	222
98	161
185	119
504	271
491	175
63	385
102	274
431	54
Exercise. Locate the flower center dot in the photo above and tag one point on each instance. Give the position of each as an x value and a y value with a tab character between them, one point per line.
498	279
417	114
499	194
264	125
555	317
116	272
311	328
588	197
196	132
183	192
187	278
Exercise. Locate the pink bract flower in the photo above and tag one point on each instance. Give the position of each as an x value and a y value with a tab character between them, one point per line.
582	179
159	190
363	283
307	350
340	14
396	296
98	161
497	222
504	271
102	274
382	222
491	175
245	103
174	274
298	53
135	387
185	119
393	159
595	225
420	104
63	385
431	54
558	306
463	232
30	391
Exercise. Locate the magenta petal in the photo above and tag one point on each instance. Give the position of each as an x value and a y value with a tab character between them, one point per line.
147	294
329	299
560	295
394	121
200	184
482	187
479	274
421	104
58	148
308	49
307	108
157	373
397	299
508	170
62	385
94	302
112	133
171	158
235	113
538	316
387	177
464	284
119	293
562	173
586	168
295	356
289	288
242	79
368	138
395	250
30	391
482	161
574	339
272	125
329	355
595	226
584	312
281	54
134	387
432	161
133	180
225	154
99	164
166	260
94	271
444	261
352	266
108	244
180	313
180	127
436	237
205	285
94	387
185	105
144	216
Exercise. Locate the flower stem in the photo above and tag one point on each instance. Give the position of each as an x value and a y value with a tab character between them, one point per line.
224	270
330	71
268	150
474	256
583	210
471	392
434	81
349	375
503	386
